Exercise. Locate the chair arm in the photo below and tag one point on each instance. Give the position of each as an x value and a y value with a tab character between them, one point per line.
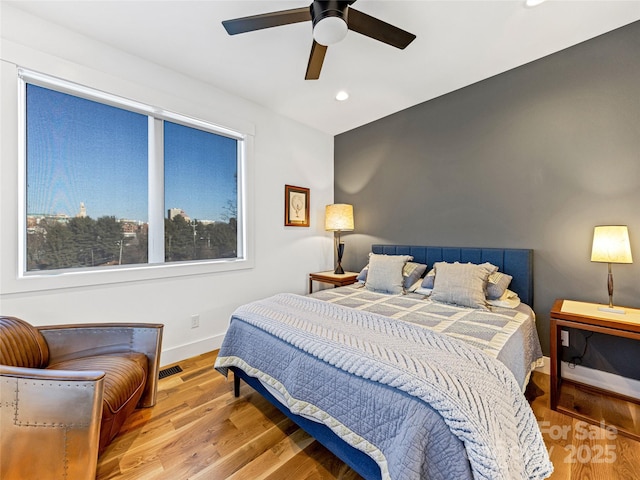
50	423
50	375
91	339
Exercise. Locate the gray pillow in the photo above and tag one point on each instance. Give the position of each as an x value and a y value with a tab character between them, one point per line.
497	283
429	279
362	276
411	273
462	283
385	273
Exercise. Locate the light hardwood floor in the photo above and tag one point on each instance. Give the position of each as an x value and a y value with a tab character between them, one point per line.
198	430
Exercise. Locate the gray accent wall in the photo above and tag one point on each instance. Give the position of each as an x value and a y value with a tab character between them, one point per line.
532	158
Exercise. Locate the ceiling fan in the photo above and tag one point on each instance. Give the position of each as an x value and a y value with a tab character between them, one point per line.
331	21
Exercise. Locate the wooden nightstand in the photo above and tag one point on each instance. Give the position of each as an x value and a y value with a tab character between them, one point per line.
335	279
586	316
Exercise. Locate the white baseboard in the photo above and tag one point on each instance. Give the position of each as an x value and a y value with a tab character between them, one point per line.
597	378
187	350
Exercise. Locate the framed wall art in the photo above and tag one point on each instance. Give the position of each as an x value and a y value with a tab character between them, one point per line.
296	206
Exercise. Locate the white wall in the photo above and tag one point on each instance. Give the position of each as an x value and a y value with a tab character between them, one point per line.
284	152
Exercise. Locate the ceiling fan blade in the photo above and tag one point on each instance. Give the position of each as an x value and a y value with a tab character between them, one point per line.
315	61
266	20
379	30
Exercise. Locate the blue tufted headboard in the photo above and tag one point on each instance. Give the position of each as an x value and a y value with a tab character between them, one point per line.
515	261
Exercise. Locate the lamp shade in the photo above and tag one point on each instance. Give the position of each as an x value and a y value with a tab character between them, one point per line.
339	217
611	244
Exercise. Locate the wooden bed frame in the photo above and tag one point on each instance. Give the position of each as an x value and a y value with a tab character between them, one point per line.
516	262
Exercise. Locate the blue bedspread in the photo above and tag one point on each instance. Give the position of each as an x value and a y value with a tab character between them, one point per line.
369	377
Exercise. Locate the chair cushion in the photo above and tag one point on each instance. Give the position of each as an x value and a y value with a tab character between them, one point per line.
21	344
124	381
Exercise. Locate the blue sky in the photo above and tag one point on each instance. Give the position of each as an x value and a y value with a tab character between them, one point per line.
199	171
84	151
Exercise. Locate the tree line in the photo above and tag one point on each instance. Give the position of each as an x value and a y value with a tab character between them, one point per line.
86	242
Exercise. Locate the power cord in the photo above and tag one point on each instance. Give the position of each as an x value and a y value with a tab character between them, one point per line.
577	360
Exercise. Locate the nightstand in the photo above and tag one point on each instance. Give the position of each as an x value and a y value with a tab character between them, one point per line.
586	316
335	279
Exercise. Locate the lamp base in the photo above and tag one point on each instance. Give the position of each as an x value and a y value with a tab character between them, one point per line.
619	311
339	250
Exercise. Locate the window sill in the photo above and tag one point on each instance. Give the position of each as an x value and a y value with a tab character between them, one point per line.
65	279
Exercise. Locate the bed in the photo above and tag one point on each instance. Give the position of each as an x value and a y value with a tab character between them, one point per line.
395	384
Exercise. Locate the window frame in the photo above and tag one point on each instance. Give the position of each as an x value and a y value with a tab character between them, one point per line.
156	267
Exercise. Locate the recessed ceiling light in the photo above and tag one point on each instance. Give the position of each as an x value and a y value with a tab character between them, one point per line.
533	3
341	96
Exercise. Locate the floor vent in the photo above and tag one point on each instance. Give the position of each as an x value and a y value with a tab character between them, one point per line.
167	372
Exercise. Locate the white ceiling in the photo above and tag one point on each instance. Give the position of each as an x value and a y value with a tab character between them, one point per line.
458	43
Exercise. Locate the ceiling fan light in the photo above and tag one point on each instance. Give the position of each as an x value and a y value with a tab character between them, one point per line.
330	30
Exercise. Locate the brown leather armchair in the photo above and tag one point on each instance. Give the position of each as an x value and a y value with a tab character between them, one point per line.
65	391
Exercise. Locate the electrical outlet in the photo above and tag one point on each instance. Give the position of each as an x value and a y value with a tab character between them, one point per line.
195	321
564	337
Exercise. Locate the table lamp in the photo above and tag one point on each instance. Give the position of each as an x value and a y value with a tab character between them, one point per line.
339	218
611	245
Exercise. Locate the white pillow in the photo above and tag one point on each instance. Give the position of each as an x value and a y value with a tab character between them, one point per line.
508	299
385	273
423	291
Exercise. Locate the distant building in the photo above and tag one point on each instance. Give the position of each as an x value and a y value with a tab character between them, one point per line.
174	212
34	219
57	217
129	227
83	211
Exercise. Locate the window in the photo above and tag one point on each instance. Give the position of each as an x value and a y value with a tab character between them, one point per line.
93	193
201	201
86	182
